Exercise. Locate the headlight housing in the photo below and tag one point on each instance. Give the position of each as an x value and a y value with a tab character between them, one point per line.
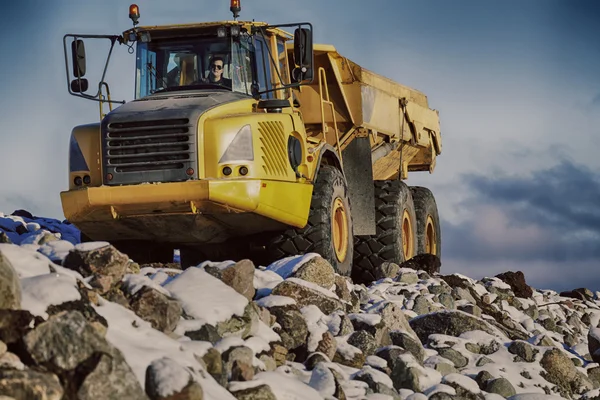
240	148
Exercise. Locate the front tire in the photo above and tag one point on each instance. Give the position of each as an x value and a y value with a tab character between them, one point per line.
329	229
396	233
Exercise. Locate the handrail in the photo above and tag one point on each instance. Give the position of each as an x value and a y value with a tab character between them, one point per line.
324	127
102	99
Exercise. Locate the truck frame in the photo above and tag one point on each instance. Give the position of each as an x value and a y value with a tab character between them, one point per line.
298	150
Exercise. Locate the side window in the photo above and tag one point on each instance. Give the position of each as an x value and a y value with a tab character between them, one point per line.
263	70
146	78
283	65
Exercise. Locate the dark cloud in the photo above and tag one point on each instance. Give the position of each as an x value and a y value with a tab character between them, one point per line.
552	215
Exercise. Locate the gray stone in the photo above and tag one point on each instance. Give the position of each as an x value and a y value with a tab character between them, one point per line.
364	341
471	309
460	293
421	305
367	375
453	323
410	343
447	301
341	288
106	262
314	358
501	386
159	386
161	311
2	348
237	361
305	296
30	385
386	270
524	350
456	357
214	366
482	361
239	276
559	369
403	375
260	392
482	379
14	324
294	330
10	285
317	270
240	326
445	368
357	360
409	278
207	333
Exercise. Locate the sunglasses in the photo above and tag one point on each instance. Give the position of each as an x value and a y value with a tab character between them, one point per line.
217	67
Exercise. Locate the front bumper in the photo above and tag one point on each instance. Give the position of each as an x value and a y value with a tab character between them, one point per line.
199	211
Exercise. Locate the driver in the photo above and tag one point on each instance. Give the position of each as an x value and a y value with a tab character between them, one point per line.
215	74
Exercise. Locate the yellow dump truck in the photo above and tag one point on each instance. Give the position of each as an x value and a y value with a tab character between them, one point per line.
246	140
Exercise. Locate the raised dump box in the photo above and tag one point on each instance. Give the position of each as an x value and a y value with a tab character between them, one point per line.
396	117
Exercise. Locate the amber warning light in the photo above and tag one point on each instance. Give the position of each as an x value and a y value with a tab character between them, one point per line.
134	13
235	8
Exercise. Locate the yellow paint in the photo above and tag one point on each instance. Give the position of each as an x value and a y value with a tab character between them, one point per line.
89	139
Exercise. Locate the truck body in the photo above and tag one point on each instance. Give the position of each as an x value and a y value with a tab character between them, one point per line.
189	163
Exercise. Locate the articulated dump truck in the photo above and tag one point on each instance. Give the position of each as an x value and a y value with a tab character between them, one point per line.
244	140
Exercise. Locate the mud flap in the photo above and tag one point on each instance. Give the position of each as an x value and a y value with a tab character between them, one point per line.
358	170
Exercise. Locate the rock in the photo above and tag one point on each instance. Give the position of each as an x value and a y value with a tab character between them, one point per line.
207	333
421	305
239	276
482	379
293	330
10	285
348	355
3	348
279	354
465	386
364	341
482	361
580	294
161	311
560	370
594	375
426	262
214	366
106	262
447	301
394	319
14	324
593	337
327	345
375	380
501	386
410	278
406	373
66	342
4	238
241	326
260	392
456	280
410	343
11	361
386	270
524	350
459	293
317	270
237	361
516	281
85	308
456	357
30	385
306	294
471	309
167	380
449	322
341	289
314	358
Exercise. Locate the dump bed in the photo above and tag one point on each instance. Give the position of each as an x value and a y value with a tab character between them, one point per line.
362	98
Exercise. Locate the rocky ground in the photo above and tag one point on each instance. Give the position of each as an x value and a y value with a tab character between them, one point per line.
83	321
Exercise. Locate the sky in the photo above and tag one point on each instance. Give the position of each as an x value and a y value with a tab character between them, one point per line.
517	86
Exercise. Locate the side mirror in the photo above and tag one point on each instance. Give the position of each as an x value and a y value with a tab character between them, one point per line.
78	54
79	85
303	55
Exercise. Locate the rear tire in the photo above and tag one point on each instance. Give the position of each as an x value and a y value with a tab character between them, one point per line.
429	237
329	229
396	231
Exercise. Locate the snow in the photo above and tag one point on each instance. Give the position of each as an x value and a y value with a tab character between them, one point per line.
314	287
288	265
39	292
315	324
205	297
26	262
56	250
170	377
376	375
133	283
275	301
376	361
265	281
366	318
322	380
462	381
286	388
140	345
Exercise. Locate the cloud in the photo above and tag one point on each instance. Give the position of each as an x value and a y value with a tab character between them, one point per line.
545	223
596	100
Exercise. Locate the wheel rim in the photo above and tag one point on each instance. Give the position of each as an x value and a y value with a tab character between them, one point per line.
430	237
407	236
340	229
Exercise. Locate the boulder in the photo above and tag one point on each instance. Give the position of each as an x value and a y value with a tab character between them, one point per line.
30	385
429	263
516	281
161	311
10	286
317	270
449	322
306	293
240	276
104	263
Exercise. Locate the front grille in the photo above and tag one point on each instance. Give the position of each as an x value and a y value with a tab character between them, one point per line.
146	151
273	146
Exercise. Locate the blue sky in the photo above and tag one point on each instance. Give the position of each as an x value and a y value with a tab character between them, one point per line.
516	83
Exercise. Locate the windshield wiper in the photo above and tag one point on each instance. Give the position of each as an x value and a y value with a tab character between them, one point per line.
193	87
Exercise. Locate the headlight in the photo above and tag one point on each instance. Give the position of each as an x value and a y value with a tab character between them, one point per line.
294	152
240	148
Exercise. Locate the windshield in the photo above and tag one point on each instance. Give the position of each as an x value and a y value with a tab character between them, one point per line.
195	63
